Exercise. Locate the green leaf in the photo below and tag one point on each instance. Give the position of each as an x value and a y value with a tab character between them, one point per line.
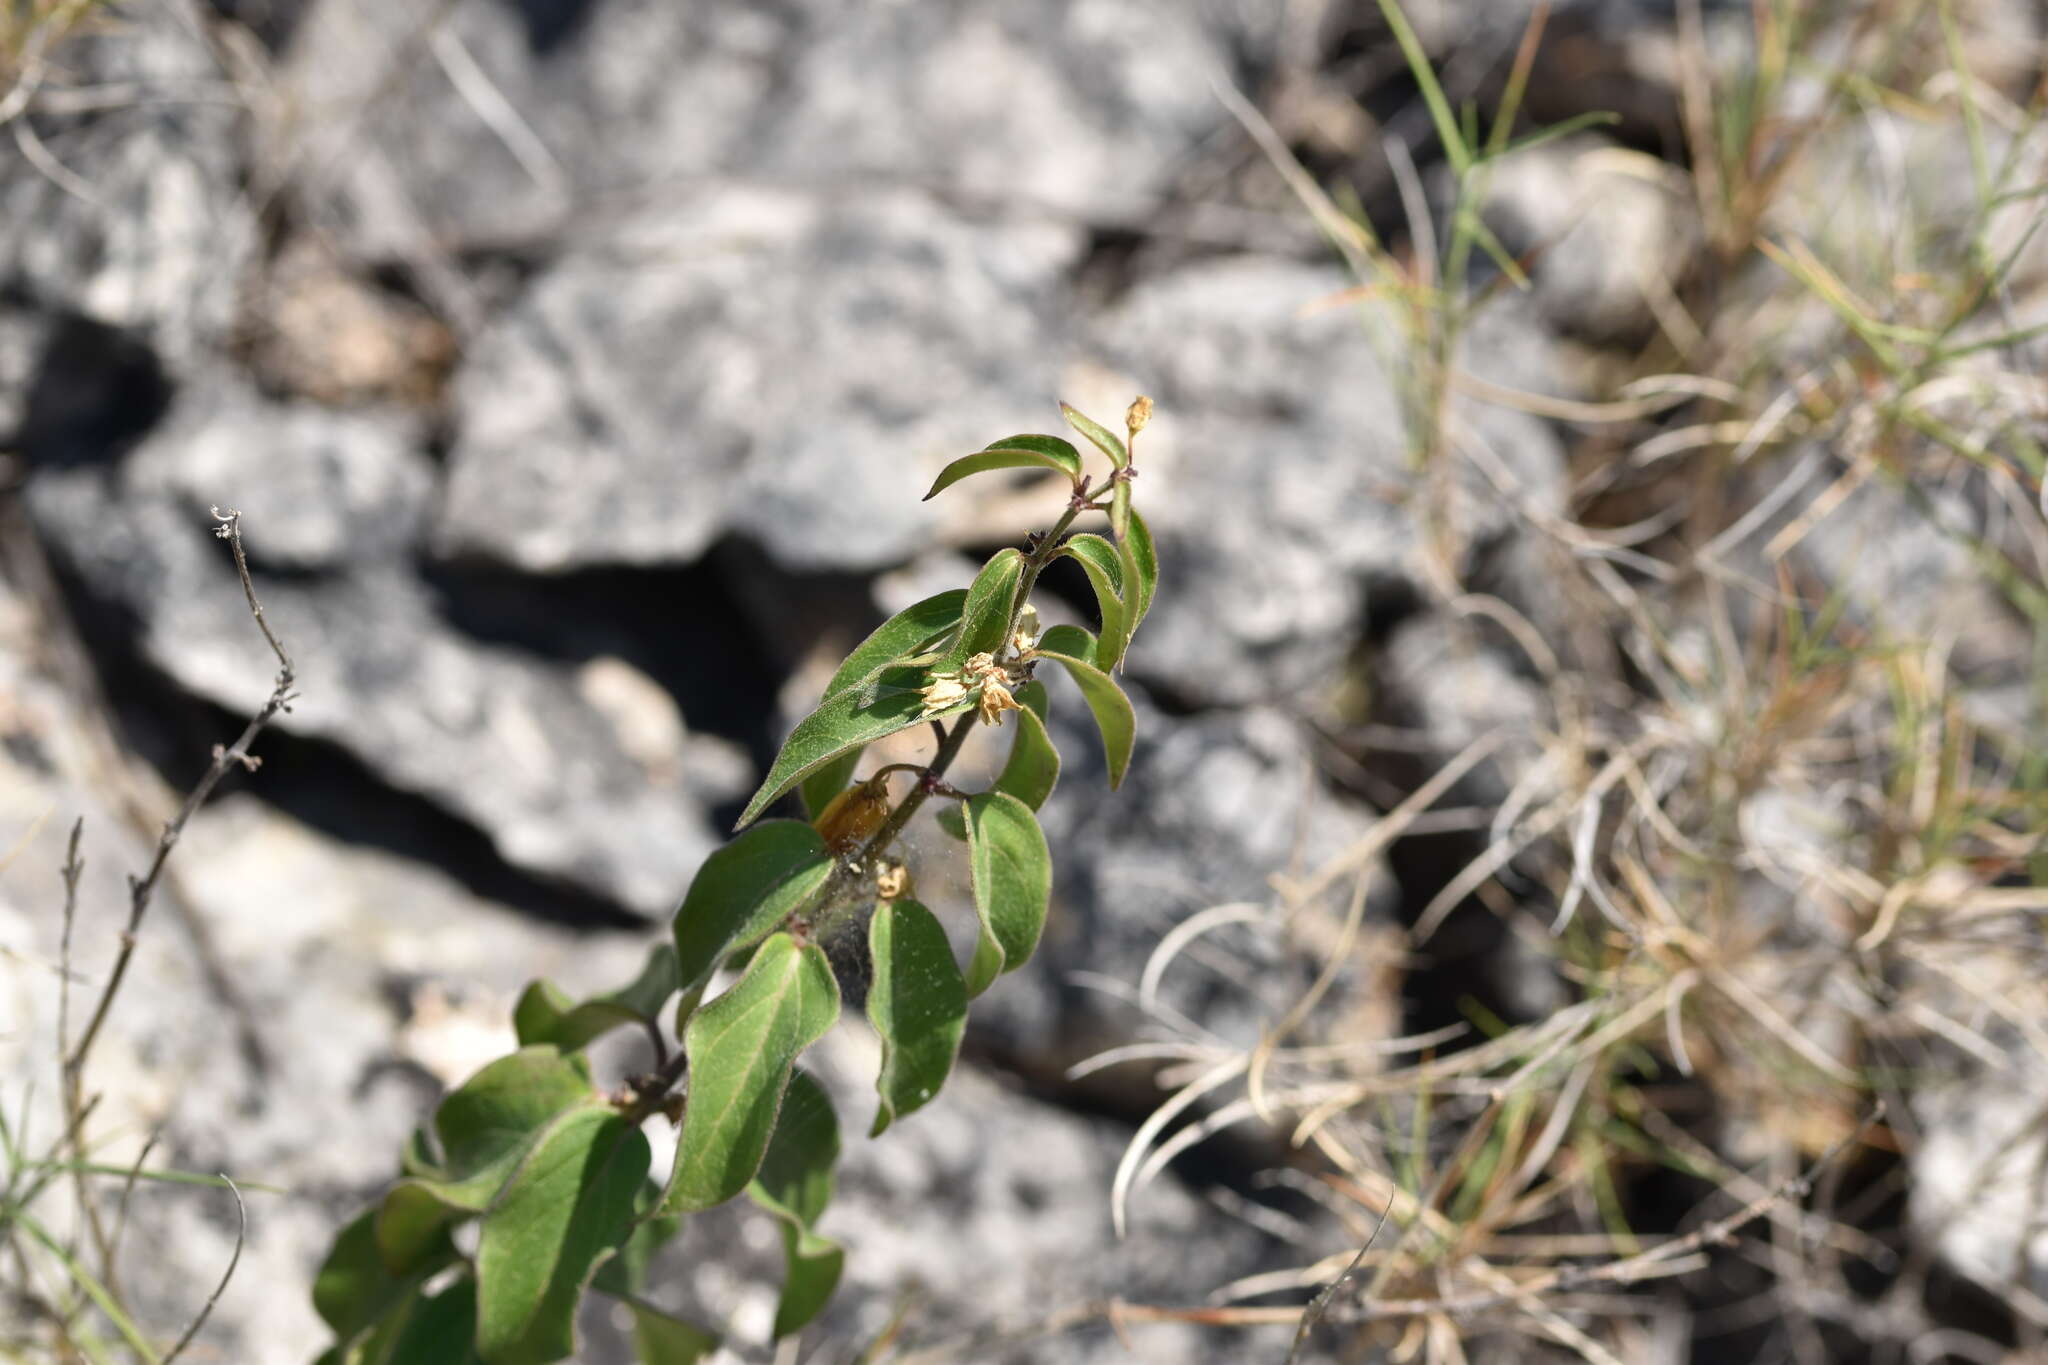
485	1129
1041	452
1057	447
741	1048
1012	884
1104	565
625	1274
1553	132
817	790
918	627
1107	441
1075	640
795	1180
1033	768
795	1184
743	891
662	1339
568	1205
419	1156
991	603
918	1005
1141	566
545	1013
1113	715
872	709
354	1288
1447	132
495	1112
438	1330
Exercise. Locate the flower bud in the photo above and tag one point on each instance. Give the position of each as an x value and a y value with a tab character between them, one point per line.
1140	413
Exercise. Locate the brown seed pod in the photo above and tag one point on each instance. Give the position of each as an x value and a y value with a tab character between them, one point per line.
852	816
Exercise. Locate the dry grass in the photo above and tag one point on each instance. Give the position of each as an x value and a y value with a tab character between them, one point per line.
1781	834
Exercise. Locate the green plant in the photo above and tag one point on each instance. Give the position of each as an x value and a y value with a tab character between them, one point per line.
554	1173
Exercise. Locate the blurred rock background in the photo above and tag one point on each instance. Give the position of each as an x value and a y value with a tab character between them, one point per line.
577	366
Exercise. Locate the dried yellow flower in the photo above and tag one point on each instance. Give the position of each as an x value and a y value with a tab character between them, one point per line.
892	881
942	693
995	699
1140	413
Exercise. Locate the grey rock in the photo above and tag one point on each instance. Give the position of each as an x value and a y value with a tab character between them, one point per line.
504	741
1902	557
140	220
1609	232
1213	809
1971	1192
329	488
473	126
792	368
1276	478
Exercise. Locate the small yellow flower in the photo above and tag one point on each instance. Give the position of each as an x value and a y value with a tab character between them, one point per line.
943	692
995	699
979	667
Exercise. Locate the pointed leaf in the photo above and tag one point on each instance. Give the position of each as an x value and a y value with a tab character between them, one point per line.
569	1204
1012	884
1055	447
1113	715
741	1047
918	1005
1075	640
991	602
1141	566
545	1013
1033	768
662	1339
917	629
354	1288
814	1265
485	1129
495	1112
1067	462
795	1184
420	1156
872	709
796	1177
625	1274
439	1330
743	891
1107	441
817	790
1104	565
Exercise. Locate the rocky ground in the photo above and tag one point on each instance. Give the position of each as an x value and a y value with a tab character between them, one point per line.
577	369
